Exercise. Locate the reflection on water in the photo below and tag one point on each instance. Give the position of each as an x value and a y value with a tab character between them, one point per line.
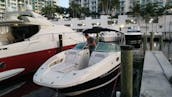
168	51
24	87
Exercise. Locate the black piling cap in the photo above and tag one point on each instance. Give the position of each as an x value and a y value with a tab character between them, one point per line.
126	47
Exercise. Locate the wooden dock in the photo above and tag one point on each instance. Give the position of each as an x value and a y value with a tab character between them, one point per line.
156	74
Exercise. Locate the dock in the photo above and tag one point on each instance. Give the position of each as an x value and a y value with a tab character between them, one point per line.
157	73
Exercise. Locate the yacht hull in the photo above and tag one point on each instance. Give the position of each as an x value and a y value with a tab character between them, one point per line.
99	82
29	62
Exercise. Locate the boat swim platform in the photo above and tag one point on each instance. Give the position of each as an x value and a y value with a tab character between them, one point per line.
157	72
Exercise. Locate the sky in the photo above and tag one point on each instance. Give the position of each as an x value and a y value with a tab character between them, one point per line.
64	3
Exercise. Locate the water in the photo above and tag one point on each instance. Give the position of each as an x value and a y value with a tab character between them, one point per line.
168	51
24	86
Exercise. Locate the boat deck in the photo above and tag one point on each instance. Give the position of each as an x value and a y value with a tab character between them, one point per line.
157	71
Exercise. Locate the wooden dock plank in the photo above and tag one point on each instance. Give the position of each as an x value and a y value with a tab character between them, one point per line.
154	82
164	63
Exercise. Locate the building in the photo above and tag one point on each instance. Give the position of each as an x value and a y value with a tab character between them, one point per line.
91	4
125	5
168	2
89	22
15	5
2	8
37	5
160	2
51	2
11	5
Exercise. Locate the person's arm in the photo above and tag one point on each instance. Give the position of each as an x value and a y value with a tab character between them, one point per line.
94	43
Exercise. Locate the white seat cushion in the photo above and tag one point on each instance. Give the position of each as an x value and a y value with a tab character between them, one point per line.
96	57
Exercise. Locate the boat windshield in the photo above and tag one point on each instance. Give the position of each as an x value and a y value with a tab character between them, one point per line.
80	46
107	47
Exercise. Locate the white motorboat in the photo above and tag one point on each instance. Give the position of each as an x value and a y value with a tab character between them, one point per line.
110	36
27	40
133	35
74	71
106	34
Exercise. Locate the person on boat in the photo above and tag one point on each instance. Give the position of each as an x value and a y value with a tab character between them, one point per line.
91	43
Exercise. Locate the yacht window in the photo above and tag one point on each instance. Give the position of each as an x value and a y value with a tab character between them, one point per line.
79	24
110	22
68	25
22	32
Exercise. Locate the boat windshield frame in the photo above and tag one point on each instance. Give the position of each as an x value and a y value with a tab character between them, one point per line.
107	47
80	46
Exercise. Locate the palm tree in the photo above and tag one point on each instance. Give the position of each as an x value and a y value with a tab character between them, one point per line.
75	8
49	11
85	11
114	5
148	11
106	6
136	11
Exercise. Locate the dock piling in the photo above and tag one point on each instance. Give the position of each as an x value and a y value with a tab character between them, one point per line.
144	42
151	40
126	71
60	42
161	42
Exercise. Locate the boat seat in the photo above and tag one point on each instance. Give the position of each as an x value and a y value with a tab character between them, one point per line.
70	56
96	57
74	60
64	67
78	57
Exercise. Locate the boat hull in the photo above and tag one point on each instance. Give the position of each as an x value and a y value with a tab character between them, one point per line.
99	82
30	62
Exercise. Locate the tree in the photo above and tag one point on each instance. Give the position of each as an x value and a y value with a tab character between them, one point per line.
114	5
136	11
104	6
150	11
108	6
85	11
167	9
75	9
49	11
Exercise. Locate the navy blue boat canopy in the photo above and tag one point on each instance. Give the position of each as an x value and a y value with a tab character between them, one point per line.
98	30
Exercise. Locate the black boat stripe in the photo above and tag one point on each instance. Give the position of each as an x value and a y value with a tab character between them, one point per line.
92	83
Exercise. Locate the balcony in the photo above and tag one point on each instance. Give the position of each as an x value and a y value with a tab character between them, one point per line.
2	6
